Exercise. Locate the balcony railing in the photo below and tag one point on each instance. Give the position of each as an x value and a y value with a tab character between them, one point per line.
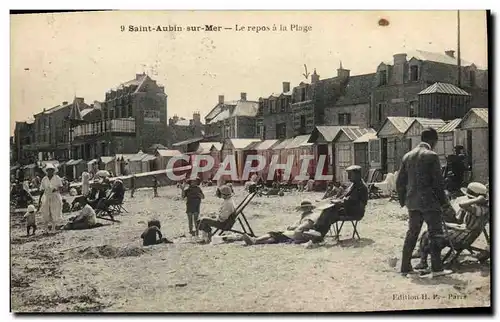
118	125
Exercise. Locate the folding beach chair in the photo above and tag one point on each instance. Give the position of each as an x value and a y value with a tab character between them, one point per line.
338	228
118	208
464	242
373	176
237	215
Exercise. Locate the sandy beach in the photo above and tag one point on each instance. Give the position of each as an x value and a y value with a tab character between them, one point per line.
107	269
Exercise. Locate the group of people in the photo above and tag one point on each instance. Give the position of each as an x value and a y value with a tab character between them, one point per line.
421	188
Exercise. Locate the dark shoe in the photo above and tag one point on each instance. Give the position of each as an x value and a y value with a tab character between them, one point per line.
421	266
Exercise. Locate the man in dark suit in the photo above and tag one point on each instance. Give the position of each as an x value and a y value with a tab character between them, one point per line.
420	188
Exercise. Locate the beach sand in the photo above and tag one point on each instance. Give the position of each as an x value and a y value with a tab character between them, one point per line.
107	269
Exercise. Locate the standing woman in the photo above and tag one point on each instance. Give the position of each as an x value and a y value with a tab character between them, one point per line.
51	201
85	183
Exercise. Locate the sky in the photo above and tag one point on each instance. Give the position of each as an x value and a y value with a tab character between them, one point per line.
57	56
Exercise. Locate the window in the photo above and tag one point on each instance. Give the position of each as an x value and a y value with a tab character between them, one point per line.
261	108
472	77
344	119
302	94
263	131
302	129
413	73
283	105
130	112
273	107
382	77
413	109
379	112
374	151
281	131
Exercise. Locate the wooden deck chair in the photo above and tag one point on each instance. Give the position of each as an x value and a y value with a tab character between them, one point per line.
118	208
464	242
237	215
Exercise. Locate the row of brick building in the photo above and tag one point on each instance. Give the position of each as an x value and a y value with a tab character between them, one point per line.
417	84
131	117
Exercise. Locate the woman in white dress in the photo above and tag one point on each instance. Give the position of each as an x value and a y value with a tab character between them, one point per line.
51	201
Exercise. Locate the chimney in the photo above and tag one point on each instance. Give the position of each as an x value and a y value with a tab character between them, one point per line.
175	119
286	87
450	53
65	103
399	69
221	99
196	118
341	72
314	77
243	96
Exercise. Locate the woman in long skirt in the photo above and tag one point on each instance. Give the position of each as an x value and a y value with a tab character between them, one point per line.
51	200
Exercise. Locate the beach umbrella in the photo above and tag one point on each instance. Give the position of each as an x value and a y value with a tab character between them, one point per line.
103	174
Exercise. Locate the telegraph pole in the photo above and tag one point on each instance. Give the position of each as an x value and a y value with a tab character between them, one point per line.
459	60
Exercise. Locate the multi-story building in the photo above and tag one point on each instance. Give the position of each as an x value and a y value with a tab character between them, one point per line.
309	101
399	82
24	143
274	120
352	106
132	117
180	129
232	119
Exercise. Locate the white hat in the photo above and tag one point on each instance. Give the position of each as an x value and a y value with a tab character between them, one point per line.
225	190
475	189
49	166
31	208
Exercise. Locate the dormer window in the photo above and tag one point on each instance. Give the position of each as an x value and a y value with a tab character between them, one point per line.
414	73
382	77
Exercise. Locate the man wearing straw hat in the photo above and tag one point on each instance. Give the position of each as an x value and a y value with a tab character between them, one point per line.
420	187
50	199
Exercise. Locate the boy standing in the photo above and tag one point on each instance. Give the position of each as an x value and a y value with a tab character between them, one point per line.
193	195
155	187
30	219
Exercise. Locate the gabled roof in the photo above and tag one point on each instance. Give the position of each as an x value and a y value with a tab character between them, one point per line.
400	123
137	81
125	157
283	144
107	160
157	146
444	88
266	145
480	113
357	90
168	153
330	132
193	140
368	136
205	147
435	57
240	144
353	133
449	126
298	141
426	122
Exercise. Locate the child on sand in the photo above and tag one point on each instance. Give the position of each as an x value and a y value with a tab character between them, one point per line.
152	235
193	195
155	187
66	207
30	219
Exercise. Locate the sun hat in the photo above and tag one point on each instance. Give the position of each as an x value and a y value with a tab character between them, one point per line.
49	166
225	190
474	190
353	168
31	208
305	204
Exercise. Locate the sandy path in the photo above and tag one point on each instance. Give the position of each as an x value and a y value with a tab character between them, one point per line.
107	269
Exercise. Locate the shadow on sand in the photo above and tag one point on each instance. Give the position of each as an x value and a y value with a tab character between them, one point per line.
348	243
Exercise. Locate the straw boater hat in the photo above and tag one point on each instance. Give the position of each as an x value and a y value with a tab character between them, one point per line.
31	208
475	189
49	166
225	190
305	204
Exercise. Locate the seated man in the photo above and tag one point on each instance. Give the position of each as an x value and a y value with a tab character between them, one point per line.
293	233
152	235
472	216
85	220
217	220
115	198
352	204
